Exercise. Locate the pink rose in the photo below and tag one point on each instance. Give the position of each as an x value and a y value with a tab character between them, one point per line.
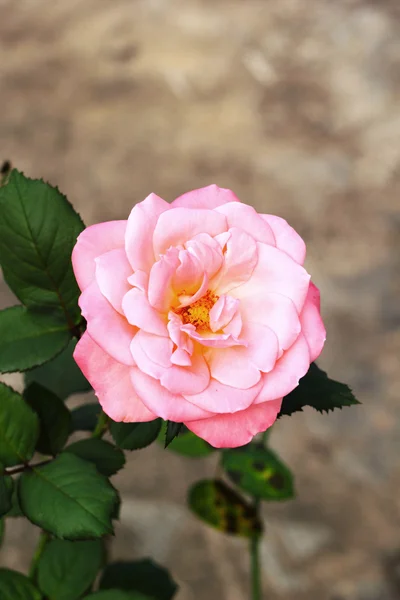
198	312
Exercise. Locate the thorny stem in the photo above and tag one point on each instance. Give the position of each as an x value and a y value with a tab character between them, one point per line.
255	569
101	426
25	467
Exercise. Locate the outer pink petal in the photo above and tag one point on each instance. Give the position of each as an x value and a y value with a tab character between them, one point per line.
247	218
160	291
240	366
287	239
238	429
288	370
207	197
92	242
220	398
240	261
105	325
111	382
140	313
278	273
191	379
139	231
112	272
178	225
277	312
312	325
162	402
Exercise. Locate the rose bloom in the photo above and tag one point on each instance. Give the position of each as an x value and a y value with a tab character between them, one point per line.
199	312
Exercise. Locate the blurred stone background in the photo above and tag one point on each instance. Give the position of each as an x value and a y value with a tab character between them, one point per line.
295	105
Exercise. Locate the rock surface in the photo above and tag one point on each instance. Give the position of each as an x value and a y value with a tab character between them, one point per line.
295	106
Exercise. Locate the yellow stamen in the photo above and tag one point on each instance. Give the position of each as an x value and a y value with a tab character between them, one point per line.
198	313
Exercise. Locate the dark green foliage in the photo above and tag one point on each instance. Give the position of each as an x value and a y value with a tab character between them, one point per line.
38	230
54	418
19	428
15	586
132	436
62	376
318	391
105	456
67	569
68	498
144	576
30	338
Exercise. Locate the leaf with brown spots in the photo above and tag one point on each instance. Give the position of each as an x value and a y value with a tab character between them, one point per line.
223	508
259	472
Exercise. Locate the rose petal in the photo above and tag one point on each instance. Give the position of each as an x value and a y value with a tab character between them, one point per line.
220	398
189	274
177	226
238	429
105	325
240	366
287	239
208	251
277	312
312	325
140	313
152	353
92	242
139	232
139	279
207	197
240	260
212	340
160	292
223	311
112	272
162	402
288	370
247	219
191	379
111	382
278	273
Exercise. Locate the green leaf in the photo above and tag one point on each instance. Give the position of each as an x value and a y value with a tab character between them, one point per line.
105	456
259	472
38	230
144	576
187	443
15	510
15	586
318	391
132	436
84	418
6	490
66	570
172	431
117	595
19	428
2	529
223	508
54	418
61	375
68	498
29	338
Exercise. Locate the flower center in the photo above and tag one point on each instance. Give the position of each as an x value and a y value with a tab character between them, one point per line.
198	313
